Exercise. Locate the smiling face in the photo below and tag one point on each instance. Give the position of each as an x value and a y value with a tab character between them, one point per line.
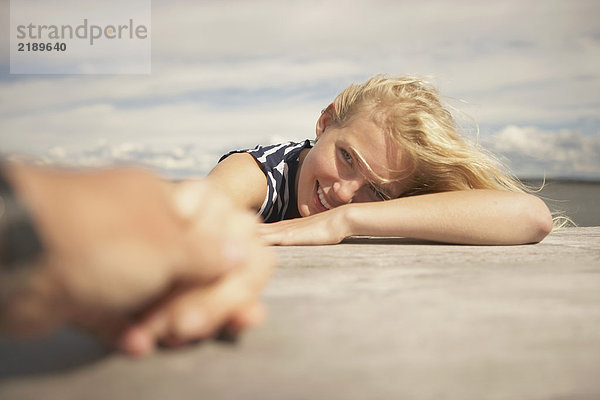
334	173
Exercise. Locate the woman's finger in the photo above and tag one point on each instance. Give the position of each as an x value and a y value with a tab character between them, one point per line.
248	317
199	311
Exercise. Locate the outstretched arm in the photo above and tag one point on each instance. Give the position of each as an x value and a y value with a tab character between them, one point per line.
469	217
128	256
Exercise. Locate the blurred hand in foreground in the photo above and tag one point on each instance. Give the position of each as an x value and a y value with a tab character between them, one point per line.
134	259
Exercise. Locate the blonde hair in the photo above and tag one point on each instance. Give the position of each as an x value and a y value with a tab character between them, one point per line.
438	157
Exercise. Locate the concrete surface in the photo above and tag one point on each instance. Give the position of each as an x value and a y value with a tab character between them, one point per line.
370	319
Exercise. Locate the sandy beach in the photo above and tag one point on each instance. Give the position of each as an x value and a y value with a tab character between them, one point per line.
370	319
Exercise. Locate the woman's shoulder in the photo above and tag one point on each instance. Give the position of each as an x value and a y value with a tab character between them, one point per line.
242	178
256	177
273	154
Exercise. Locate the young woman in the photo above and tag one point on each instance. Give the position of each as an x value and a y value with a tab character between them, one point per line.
387	161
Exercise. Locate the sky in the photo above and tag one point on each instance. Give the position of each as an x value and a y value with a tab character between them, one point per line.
224	75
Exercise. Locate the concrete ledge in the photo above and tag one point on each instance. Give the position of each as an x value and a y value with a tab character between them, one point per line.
371	319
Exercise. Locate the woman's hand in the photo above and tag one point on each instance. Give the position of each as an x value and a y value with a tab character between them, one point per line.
123	248
199	309
328	227
194	312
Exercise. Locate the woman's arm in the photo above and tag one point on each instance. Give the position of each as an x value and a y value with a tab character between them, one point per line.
469	217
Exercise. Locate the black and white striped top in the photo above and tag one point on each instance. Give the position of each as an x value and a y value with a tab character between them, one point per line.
280	164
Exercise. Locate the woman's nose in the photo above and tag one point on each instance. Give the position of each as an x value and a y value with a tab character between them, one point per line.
345	189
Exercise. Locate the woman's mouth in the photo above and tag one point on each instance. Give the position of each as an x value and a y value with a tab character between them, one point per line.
323	202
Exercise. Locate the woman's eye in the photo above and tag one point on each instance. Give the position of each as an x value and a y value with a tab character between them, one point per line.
378	193
346	156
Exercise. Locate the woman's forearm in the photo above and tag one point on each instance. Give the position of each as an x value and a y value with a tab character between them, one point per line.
470	217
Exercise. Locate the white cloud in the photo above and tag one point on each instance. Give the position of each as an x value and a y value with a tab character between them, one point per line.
174	81
174	161
535	152
189	123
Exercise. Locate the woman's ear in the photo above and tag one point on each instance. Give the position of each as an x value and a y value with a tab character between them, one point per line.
324	120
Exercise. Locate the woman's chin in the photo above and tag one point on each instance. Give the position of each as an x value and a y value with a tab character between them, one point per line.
304	211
